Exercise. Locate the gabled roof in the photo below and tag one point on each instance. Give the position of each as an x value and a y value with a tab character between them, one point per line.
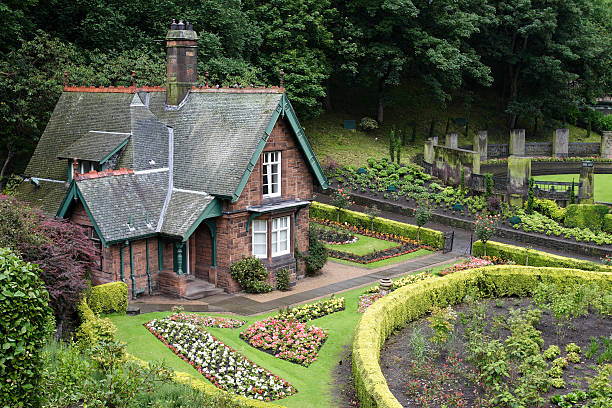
96	146
183	211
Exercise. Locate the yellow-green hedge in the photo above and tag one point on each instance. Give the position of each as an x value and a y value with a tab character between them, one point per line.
411	302
536	258
607	226
427	236
108	298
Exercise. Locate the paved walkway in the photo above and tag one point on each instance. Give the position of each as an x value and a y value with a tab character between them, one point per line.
245	305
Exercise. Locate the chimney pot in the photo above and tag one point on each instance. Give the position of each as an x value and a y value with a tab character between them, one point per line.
173	26
181	25
188	26
181	62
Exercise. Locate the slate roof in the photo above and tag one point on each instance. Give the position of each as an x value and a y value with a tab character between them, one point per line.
46	196
113	200
94	146
183	210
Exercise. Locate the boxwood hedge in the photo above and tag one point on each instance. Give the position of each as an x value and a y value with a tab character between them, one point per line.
411	302
428	236
109	298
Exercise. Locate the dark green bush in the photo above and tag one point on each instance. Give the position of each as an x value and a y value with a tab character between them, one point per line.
251	275
586	216
26	320
282	279
317	252
109	298
607	226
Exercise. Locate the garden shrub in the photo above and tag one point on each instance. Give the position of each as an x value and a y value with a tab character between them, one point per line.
427	236
549	208
586	216
607	225
109	298
536	258
251	275
317	252
282	279
93	329
25	322
393	311
367	124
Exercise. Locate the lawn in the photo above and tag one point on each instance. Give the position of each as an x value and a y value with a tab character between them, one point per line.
364	245
603	192
315	383
385	262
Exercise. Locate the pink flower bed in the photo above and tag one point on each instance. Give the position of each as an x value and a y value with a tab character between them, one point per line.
366	300
467	264
286	339
207	321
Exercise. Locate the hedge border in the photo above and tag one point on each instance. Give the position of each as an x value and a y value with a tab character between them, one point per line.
519	254
108	298
428	236
393	311
607	225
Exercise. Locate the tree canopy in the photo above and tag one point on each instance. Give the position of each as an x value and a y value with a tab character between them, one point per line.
542	57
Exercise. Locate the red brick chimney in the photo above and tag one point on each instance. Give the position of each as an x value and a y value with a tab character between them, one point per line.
182	61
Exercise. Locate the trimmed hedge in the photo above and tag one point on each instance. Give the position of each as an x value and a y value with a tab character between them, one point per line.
428	236
607	226
109	298
586	216
536	258
411	302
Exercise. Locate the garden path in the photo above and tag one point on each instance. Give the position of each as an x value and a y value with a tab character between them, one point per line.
332	280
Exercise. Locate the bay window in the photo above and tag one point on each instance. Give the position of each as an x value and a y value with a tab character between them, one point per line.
279	237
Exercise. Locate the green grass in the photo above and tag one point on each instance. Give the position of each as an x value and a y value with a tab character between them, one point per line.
364	245
602	192
385	262
315	383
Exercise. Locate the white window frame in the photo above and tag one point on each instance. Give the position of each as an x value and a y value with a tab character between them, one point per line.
257	230
90	166
267	163
276	230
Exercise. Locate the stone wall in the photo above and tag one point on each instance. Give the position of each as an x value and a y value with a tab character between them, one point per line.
448	162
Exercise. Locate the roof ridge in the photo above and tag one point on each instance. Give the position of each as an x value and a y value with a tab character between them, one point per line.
236	89
104	173
115	89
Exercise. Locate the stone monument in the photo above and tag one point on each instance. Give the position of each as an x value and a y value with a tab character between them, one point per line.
452	140
519	173
586	191
606	145
560	144
517	142
481	144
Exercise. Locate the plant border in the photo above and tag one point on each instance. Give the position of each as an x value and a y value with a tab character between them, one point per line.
393	311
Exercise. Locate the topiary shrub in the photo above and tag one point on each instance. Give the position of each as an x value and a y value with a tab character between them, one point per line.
282	279
586	216
109	298
317	252
549	208
25	322
251	275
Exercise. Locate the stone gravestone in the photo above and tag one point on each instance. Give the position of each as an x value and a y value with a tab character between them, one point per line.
585	193
481	144
560	145
428	151
519	173
606	145
517	142
452	140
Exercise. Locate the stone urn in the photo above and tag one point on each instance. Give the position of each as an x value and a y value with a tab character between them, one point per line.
385	286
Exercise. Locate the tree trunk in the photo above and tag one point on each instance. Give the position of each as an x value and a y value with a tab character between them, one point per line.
380	111
9	156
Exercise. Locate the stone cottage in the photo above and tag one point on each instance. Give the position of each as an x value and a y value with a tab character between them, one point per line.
176	183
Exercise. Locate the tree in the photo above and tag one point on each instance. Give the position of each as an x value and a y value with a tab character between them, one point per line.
530	196
422	216
59	247
485	227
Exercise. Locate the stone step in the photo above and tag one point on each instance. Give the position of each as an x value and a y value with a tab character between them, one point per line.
198	289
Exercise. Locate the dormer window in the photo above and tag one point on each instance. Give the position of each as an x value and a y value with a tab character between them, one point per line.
271	174
86	166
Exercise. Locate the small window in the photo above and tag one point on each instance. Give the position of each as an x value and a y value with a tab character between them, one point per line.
86	166
280	236
260	238
271	174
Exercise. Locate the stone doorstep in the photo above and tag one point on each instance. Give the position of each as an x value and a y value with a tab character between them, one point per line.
198	289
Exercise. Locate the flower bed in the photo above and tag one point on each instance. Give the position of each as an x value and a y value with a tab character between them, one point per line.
220	364
286	339
469	264
366	301
334	236
312	311
406	246
207	321
372	294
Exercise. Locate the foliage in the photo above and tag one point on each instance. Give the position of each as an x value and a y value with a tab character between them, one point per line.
99	377
341	199
286	339
61	249
367	124
485	227
311	311
317	252
283	276
392	145
334	236
422	216
108	298
550	209
551	352
251	275
488	184
93	329
206	321
222	366
607	226
529	204
441	322
25	322
586	216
